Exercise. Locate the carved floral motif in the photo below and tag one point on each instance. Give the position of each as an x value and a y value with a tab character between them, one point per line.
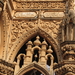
52	27
21	27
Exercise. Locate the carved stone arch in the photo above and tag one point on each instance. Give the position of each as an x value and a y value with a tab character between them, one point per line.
36	47
22	40
32	66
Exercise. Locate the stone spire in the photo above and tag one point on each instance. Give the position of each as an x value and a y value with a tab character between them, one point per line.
49	50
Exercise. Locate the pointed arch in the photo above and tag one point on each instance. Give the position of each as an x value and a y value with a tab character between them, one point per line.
32	66
31	34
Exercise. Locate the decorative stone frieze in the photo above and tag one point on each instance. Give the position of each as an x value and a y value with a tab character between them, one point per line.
40	5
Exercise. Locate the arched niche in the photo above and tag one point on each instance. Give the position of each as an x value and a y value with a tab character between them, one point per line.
30	35
36	51
31	67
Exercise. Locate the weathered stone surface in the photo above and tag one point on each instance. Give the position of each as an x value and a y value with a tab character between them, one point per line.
37	37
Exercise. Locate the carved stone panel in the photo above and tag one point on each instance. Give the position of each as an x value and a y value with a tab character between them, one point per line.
25	14
53	14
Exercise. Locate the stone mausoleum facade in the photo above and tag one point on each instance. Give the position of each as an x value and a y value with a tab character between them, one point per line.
37	37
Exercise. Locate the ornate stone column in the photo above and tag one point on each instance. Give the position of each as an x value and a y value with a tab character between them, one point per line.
49	51
43	53
28	53
66	67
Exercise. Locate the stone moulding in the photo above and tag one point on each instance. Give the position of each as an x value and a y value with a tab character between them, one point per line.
32	66
35	15
25	14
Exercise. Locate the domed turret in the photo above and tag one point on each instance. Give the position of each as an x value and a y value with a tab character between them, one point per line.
49	50
29	43
37	41
44	42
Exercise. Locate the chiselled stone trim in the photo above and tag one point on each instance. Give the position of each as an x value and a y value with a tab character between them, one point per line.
31	66
6	68
40	5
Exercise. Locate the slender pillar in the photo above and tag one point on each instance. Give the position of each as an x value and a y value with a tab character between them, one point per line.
63	37
67	32
28	53
43	53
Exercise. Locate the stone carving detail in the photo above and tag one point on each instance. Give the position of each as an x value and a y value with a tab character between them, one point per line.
1	5
40	56
21	27
40	5
68	26
64	69
68	52
52	27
